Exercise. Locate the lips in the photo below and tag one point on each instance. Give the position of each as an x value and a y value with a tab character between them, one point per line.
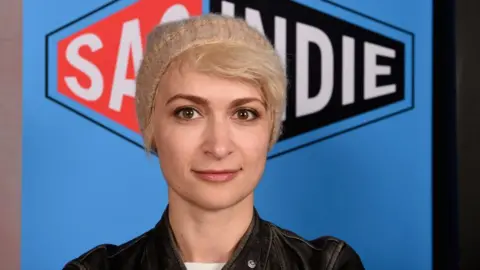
216	175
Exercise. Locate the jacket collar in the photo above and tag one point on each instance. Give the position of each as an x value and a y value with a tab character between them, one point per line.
251	252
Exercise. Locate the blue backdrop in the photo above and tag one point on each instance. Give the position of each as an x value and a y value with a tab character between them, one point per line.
86	182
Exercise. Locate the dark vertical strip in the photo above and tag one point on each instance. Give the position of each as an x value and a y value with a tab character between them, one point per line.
445	239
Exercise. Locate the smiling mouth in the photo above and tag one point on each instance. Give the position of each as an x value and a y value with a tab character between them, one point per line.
217	176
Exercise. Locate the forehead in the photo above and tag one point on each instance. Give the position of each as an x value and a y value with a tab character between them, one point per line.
207	86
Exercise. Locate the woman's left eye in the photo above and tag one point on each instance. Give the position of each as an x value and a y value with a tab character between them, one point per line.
246	114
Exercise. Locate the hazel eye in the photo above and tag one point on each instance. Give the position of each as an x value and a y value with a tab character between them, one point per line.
187	113
246	114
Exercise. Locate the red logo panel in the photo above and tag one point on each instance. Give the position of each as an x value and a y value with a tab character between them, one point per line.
97	65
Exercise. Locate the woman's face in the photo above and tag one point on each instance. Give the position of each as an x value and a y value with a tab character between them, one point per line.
212	137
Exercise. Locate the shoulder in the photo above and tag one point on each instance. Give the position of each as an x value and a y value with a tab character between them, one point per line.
108	256
324	252
341	255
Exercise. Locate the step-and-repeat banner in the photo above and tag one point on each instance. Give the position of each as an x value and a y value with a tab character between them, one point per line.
354	162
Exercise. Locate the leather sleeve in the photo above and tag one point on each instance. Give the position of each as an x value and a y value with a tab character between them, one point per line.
74	266
348	259
339	255
94	259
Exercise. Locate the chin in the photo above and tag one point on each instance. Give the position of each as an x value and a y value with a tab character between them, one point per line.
216	201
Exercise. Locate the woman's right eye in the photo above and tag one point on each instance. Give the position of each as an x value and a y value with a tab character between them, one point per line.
187	113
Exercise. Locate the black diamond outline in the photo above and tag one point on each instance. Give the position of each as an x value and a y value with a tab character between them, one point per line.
298	147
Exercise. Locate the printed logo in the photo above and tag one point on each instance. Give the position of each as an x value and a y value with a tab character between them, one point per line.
93	61
345	69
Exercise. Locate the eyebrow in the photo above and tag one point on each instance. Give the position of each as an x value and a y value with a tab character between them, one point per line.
192	98
202	101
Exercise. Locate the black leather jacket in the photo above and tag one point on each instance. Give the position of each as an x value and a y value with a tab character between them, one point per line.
264	246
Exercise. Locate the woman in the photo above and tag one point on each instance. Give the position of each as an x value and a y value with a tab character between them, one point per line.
210	97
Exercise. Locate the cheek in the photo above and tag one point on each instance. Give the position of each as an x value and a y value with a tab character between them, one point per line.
253	146
175	145
252	140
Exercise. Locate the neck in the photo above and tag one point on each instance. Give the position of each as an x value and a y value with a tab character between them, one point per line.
208	235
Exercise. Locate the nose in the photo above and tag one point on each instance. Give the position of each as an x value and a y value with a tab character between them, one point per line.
218	139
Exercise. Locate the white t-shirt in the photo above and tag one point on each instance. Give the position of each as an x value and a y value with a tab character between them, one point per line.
204	266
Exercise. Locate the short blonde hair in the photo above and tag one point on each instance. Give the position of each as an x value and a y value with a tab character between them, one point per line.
216	45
